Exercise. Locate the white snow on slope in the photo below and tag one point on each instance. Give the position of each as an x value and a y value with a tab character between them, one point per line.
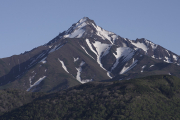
125	52
76	34
168	60
85	81
114	37
76	59
124	45
143	68
153	56
151	66
149	43
167	52
79	71
125	69
90	46
103	33
78	30
63	66
43	60
78	76
175	57
102	50
53	49
140	45
56	48
108	74
154	46
83	20
86	51
36	83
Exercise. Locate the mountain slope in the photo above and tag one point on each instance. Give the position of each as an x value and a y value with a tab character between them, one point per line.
84	53
153	97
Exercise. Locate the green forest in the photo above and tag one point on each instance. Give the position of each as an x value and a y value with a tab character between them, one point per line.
148	98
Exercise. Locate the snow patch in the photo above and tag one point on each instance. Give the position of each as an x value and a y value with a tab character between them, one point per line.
63	65
143	68
151	66
36	83
140	45
85	81
153	56
124	45
125	69
154	46
79	71
76	34
78	30
76	59
103	33
168	60
102	50
175	57
56	48
168	52
124	52
86	52
43	60
114	37
78	76
108	74
90	46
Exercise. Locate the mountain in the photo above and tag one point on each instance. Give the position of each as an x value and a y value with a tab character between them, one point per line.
84	53
154	97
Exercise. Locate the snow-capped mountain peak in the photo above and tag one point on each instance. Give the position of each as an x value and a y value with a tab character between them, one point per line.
76	30
97	55
86	27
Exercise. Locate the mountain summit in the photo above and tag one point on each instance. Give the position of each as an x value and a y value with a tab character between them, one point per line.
85	28
83	53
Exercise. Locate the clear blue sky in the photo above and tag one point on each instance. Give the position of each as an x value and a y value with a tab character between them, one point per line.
27	24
